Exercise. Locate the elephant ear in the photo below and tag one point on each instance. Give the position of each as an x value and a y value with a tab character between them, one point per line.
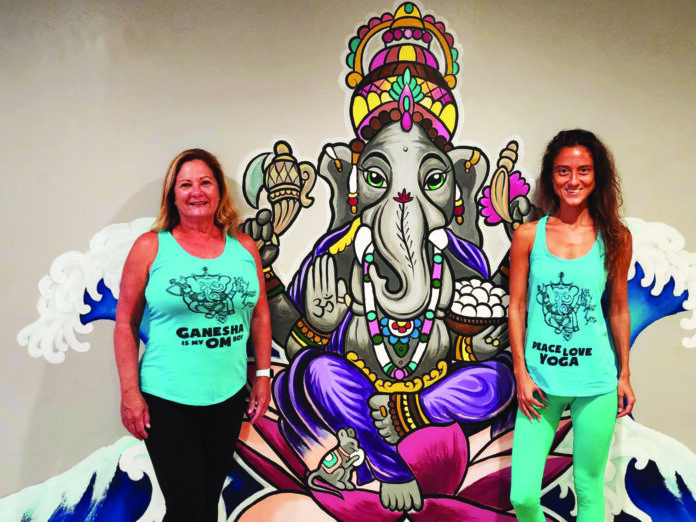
335	163
470	171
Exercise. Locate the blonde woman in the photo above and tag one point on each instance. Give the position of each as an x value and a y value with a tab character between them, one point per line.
199	283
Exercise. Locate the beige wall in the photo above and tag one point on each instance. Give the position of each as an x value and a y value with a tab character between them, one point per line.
98	96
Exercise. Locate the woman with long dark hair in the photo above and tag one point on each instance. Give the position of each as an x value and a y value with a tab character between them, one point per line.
565	352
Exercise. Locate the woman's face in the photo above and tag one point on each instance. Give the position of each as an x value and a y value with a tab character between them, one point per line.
573	175
196	192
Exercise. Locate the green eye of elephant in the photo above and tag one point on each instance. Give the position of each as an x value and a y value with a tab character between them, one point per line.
375	179
435	180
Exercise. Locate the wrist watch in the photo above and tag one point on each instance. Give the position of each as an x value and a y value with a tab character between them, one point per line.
266	372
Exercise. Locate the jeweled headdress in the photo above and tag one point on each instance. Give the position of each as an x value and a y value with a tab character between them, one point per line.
404	80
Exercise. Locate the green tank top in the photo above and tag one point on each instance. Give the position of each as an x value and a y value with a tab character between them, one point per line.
568	347
200	312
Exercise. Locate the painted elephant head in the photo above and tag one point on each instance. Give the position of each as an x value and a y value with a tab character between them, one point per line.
407	190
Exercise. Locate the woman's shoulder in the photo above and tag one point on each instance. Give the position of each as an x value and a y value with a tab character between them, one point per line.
523	239
245	240
147	241
146	246
248	243
143	252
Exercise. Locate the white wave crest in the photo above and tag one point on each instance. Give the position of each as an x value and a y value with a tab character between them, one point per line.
66	489
61	300
659	249
136	462
632	440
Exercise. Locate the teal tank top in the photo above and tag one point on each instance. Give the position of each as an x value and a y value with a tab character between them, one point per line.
200	312
568	347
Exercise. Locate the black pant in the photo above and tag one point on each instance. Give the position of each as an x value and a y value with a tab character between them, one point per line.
191	448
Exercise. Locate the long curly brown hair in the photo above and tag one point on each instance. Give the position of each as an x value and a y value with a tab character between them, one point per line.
226	216
604	203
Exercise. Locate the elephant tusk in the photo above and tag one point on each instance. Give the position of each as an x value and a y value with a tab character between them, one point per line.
363	239
439	238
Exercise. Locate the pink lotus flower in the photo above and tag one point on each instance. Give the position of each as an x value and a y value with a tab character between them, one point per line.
461	478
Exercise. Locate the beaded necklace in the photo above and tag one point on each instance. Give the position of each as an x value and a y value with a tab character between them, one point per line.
402	327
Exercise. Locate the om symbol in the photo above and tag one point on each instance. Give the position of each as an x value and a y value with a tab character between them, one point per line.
324	305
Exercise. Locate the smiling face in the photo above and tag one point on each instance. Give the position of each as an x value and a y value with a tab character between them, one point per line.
573	176
196	192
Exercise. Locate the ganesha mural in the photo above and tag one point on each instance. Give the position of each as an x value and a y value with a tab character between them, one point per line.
394	396
367	322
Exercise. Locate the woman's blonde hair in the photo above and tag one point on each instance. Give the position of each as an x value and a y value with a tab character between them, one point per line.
226	216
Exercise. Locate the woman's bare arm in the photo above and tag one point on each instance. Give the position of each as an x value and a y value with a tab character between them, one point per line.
522	242
261	339
129	313
620	326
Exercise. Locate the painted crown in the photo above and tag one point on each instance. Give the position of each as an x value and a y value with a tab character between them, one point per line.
404	81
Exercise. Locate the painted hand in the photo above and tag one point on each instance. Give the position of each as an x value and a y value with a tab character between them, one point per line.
260	229
379	411
135	415
325	297
520	208
491	341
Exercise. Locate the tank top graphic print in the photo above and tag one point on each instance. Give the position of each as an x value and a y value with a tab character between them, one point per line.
199	313
568	347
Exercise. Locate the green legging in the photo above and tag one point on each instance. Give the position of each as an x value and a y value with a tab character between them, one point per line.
593	425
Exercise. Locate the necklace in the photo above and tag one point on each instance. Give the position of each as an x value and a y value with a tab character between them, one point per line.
402	329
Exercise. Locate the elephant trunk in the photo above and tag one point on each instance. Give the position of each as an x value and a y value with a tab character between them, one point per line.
402	276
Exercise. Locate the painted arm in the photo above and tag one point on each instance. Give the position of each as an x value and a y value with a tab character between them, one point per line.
620	326
285	315
129	313
521	248
260	337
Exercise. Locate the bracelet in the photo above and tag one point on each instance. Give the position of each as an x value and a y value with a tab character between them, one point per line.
463	351
406	412
274	286
266	372
305	335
